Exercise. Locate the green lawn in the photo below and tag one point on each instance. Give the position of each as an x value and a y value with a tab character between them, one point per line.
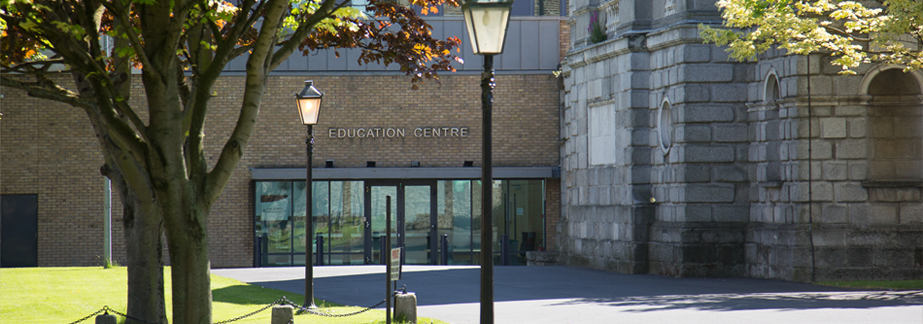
881	284
64	295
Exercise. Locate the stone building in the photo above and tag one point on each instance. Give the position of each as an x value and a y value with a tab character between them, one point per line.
682	162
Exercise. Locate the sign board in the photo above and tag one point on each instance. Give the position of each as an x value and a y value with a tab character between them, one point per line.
395	264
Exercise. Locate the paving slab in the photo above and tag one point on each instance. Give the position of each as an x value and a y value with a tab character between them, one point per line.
558	294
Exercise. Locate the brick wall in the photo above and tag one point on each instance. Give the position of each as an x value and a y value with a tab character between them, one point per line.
50	149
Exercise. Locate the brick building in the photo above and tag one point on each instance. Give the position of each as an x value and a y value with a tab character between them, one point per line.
679	161
375	137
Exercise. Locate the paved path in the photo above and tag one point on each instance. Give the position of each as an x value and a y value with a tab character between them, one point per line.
561	295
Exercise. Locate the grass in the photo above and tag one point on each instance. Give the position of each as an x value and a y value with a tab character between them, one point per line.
877	284
64	295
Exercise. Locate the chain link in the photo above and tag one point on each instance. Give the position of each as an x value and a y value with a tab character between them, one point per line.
311	311
278	302
91	315
281	301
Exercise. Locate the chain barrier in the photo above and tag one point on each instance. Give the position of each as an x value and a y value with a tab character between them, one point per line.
281	301
311	311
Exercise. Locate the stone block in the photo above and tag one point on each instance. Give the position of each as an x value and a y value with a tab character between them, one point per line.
696	53
860	214
695	173
822	191
894	194
693	133
850	192
405	307
857	127
834	214
731	133
709	193
830	238
699	113
710	153
730	93
706	73
833	127
835	170
694	213
736	214
730	173
911	213
282	314
852	149
884	214
858	170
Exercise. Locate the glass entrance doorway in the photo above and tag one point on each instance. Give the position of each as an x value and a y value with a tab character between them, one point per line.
412	220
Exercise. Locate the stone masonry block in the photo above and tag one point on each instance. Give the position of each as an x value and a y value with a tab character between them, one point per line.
884	214
695	92
711	153
730	173
860	214
850	192
693	133
911	213
834	214
730	93
725	213
852	149
706	73
858	127
696	53
833	127
731	133
709	193
858	170
694	173
835	170
705	113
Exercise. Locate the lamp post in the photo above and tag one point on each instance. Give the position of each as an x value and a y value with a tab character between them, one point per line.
487	21
309	100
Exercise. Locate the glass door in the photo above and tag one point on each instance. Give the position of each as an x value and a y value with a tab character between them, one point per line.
412	220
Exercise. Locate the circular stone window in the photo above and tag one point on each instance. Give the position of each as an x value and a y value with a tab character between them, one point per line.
665	126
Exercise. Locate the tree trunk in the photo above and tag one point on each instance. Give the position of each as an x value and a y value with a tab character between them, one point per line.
143	240
187	237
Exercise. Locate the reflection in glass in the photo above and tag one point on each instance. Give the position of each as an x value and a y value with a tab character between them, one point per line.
417	225
454	218
378	194
345	243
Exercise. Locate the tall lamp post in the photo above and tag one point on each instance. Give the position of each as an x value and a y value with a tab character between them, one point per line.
487	21
308	101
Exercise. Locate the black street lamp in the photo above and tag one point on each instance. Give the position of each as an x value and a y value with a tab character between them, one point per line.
487	21
309	100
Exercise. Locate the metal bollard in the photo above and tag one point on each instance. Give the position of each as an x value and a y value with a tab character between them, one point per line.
445	249
106	319
282	314
320	250
405	307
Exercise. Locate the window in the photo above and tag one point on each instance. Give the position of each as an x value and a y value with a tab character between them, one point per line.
665	126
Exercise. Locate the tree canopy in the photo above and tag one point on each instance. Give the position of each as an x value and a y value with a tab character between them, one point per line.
83	52
854	32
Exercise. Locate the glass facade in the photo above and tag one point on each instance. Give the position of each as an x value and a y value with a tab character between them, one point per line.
435	221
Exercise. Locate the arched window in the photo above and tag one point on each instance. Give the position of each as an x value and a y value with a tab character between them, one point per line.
771	89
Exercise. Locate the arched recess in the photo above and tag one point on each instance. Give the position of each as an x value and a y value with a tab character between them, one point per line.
771	132
895	124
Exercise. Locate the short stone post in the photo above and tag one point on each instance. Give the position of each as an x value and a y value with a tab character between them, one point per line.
106	319
282	314
405	307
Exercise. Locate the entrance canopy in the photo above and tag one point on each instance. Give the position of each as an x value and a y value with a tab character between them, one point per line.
405	173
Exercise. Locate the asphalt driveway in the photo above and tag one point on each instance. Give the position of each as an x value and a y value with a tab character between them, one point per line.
560	294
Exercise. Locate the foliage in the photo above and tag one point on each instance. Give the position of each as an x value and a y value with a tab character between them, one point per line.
64	295
854	32
596	29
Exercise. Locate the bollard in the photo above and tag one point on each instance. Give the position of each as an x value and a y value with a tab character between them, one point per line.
405	307
106	319
282	314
